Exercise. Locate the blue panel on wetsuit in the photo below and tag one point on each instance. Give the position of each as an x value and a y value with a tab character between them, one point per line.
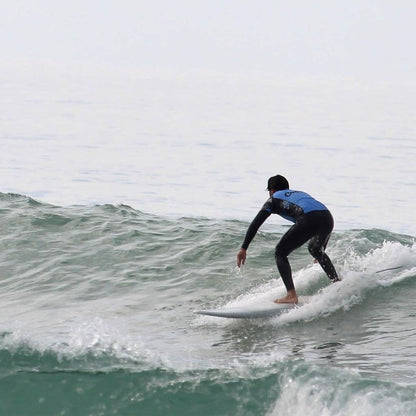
301	199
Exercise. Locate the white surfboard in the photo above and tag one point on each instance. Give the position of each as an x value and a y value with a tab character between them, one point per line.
265	310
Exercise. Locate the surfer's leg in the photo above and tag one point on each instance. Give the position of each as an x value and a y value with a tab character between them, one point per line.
294	238
317	251
284	268
318	244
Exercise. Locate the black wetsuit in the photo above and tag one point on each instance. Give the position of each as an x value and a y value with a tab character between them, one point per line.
313	222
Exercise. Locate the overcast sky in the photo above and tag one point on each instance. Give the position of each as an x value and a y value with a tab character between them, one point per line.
324	38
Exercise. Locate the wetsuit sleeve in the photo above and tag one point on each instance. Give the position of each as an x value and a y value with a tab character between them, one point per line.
254	226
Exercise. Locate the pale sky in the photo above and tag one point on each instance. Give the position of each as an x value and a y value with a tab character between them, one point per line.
369	38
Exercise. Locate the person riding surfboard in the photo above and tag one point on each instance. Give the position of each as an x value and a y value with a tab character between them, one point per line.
313	222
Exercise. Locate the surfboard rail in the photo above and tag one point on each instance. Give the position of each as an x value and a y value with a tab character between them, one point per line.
250	312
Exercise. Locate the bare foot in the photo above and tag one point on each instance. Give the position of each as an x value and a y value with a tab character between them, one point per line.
291	297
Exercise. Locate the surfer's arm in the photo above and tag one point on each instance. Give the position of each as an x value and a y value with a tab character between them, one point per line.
262	216
251	232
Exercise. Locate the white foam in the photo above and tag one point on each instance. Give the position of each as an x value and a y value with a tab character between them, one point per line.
335	394
358	278
96	337
389	255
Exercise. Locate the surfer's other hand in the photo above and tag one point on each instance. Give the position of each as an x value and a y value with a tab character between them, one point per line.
241	257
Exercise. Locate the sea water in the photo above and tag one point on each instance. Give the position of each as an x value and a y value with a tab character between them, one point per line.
124	199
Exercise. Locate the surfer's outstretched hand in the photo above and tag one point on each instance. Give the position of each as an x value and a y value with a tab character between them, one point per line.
241	257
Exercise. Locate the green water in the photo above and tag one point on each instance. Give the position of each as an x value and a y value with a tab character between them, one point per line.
97	318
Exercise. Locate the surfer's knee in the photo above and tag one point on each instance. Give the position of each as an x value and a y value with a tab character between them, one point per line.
280	253
315	251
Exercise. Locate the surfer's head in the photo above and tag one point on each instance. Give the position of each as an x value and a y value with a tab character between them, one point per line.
277	183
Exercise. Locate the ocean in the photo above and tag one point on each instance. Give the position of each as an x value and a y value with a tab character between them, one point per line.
124	200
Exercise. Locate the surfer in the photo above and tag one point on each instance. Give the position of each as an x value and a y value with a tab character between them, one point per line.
312	222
